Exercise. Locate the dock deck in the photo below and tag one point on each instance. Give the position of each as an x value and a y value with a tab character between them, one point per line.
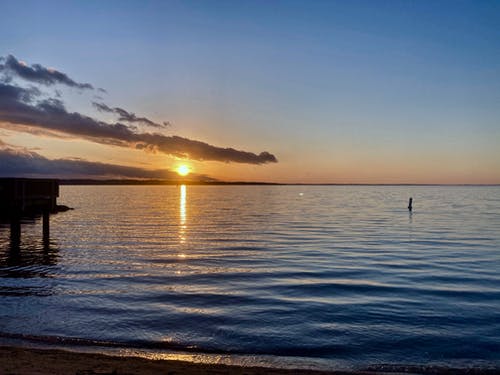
21	197
27	195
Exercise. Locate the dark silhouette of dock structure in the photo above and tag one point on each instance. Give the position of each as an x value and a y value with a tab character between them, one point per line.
21	197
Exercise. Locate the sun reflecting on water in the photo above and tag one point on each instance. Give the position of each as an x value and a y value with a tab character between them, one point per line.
182	214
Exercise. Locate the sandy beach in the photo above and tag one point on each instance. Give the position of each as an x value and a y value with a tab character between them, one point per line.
35	361
31	361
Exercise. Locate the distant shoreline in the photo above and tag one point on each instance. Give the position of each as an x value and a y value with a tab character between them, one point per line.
222	183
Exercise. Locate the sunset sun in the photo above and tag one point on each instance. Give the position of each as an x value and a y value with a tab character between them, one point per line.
183	170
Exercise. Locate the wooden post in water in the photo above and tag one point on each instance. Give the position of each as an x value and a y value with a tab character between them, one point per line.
46	225
15	231
410	204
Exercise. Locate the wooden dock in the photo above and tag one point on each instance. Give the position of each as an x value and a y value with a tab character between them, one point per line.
21	197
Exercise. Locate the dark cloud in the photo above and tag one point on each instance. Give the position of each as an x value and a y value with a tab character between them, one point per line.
29	110
19	109
38	73
25	163
14	93
129	117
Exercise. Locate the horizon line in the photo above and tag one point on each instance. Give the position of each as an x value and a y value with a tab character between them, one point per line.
132	181
64	181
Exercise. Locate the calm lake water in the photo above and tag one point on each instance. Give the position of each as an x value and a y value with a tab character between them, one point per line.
340	276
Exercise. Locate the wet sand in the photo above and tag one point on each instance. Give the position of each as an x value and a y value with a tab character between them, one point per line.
30	361
34	361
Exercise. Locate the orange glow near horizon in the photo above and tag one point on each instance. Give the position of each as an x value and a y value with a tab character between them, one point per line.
349	166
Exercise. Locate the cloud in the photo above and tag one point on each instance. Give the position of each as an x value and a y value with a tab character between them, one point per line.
20	162
129	117
27	109
38	74
10	92
22	110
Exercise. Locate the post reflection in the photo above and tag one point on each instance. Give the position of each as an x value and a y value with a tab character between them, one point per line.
26	255
182	214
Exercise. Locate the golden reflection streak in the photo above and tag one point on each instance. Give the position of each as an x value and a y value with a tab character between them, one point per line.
182	216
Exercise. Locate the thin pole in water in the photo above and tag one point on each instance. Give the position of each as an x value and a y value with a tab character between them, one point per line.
410	207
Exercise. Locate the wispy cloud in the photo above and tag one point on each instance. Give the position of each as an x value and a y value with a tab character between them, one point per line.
38	74
27	109
129	117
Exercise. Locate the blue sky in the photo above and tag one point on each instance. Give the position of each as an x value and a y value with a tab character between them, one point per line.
339	91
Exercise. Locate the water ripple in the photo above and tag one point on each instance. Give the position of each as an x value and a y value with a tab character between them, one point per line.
338	273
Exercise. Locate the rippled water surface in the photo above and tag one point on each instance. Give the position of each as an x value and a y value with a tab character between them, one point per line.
338	273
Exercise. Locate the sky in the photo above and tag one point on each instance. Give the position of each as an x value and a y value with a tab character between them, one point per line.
271	91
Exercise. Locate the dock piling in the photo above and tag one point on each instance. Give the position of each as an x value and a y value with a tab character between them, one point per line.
46	225
15	231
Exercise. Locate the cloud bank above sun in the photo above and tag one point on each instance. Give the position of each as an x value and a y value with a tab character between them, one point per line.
26	105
